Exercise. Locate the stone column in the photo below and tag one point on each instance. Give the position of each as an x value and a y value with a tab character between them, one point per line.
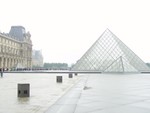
0	62
5	62
4	65
15	62
11	61
8	62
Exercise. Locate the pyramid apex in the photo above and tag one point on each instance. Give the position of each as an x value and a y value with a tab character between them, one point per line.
108	30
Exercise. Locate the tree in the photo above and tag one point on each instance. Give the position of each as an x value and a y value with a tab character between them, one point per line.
56	66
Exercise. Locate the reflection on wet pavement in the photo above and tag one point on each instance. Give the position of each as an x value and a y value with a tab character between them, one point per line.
44	91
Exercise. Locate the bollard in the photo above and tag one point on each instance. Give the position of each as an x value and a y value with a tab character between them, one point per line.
59	79
76	74
23	90
70	75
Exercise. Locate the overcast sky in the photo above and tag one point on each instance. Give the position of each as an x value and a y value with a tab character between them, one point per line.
65	29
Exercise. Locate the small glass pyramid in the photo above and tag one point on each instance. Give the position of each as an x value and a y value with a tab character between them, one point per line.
109	54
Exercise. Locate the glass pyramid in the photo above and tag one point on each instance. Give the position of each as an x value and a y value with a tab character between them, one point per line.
109	54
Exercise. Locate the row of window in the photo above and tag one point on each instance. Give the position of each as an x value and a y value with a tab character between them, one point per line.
7	49
8	46
6	41
13	51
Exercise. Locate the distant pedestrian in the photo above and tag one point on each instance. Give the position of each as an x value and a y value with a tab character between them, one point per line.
1	70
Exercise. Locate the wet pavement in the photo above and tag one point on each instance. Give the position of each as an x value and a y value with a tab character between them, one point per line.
86	93
106	93
44	91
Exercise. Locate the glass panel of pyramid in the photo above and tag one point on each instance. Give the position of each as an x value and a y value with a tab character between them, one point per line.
110	54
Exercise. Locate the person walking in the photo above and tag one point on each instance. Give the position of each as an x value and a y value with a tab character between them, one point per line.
1	70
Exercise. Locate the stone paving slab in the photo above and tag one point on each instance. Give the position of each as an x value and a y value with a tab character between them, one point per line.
44	91
107	93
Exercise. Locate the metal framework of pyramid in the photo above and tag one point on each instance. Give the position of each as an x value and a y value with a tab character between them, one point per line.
110	54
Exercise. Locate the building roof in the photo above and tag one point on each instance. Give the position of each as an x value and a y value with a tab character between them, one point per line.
18	32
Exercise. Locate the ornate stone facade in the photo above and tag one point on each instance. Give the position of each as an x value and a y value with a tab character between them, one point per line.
15	49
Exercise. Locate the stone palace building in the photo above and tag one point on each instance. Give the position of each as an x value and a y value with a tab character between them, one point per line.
15	48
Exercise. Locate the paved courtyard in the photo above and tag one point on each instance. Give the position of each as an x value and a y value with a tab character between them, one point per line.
107	93
89	93
44	91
